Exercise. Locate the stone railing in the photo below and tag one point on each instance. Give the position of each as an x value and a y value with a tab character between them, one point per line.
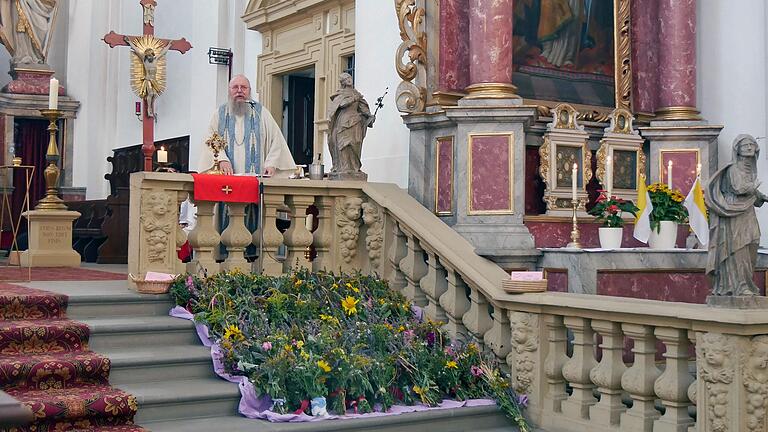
586	362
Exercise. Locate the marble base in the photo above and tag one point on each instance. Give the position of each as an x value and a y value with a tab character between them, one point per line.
50	239
31	79
509	245
738	302
358	176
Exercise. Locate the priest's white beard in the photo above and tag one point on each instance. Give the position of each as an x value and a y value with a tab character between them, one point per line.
237	108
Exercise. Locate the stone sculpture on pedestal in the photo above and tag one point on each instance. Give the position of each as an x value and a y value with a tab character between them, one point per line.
732	196
350	117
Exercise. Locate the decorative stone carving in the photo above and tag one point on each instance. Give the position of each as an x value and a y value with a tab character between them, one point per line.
373	218
348	221
756	383
716	366
349	117
525	344
411	97
157	222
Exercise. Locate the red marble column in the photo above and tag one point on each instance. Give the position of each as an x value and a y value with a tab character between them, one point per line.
490	48
645	60
453	55
677	60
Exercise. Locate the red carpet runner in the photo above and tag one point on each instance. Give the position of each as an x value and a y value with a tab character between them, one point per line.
45	363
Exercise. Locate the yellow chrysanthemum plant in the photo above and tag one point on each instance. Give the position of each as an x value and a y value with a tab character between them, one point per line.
346	340
667	205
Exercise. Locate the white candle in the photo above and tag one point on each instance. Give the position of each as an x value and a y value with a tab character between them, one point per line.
609	175
669	174
698	170
162	155
574	175
53	94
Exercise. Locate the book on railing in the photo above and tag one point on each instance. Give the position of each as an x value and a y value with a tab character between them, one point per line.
525	281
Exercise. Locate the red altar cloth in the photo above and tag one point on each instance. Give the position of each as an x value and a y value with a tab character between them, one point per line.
226	188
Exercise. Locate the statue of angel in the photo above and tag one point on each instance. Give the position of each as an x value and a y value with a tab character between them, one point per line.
148	69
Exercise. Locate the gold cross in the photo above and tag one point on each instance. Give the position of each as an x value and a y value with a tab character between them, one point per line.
226	189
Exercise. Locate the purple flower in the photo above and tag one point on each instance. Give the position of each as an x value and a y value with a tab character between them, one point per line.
266	346
522	400
430	339
475	371
408	335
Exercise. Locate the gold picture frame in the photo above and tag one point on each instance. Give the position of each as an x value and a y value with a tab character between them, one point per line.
511	161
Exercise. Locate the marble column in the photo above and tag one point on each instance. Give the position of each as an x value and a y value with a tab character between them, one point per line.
453	63
677	60
490	49
645	61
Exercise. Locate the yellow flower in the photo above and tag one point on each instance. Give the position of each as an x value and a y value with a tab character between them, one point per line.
350	305
335	286
288	347
349	285
304	355
388	326
232	332
356	289
322	364
419	390
300	344
298	282
451	365
401	329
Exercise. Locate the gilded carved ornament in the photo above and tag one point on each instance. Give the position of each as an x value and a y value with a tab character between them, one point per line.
411	94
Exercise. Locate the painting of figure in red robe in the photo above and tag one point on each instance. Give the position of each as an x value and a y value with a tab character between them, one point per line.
564	51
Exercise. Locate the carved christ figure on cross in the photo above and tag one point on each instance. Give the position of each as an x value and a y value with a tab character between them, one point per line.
152	79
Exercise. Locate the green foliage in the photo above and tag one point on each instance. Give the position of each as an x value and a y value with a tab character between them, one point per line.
667	205
346	337
609	211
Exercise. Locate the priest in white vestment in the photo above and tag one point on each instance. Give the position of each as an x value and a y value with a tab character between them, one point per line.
255	143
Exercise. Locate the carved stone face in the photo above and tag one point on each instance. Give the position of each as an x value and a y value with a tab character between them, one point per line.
747	148
352	208
345	80
369	214
158	203
715	355
759	357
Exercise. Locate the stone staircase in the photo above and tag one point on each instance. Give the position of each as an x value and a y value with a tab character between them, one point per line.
160	360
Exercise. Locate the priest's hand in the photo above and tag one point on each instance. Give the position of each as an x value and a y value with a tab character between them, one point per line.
226	167
270	171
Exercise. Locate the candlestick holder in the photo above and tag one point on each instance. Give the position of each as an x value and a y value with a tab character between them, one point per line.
575	235
52	172
216	143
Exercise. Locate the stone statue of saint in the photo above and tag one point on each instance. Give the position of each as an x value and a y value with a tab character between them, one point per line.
732	196
350	117
26	27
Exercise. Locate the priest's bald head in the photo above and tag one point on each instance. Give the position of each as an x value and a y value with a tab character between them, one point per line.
239	94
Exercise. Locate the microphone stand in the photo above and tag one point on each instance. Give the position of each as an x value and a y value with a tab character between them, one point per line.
261	193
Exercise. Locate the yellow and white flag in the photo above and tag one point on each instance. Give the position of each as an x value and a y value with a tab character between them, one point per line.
643	220
697	212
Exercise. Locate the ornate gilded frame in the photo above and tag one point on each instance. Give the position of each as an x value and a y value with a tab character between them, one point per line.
511	142
438	142
621	135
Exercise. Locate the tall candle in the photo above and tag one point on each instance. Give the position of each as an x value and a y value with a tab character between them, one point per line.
162	155
574	175
53	94
609	175
669	174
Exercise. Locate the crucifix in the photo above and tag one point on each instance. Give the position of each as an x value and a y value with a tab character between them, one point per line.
148	70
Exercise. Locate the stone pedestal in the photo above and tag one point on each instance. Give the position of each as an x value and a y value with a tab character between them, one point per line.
31	79
738	302
50	239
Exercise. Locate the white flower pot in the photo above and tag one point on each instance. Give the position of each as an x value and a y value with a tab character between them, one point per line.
665	238
610	238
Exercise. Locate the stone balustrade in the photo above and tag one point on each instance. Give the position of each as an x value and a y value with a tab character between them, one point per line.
585	362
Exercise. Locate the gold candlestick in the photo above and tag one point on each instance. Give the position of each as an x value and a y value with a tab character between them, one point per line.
574	244
52	172
216	143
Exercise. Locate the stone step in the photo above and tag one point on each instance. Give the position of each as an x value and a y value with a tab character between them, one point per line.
112	305
475	419
139	332
149	364
183	399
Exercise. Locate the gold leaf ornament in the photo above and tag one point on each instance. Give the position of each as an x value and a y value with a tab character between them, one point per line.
139	83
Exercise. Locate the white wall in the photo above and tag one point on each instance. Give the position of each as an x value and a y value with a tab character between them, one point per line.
733	77
385	150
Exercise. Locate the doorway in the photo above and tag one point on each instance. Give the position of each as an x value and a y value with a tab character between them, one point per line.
299	114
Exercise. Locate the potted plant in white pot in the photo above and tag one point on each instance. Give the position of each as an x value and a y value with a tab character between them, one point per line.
609	212
668	212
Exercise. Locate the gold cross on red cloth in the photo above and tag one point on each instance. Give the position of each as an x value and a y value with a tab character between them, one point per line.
226	189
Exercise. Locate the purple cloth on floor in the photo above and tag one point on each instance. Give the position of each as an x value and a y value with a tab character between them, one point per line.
258	407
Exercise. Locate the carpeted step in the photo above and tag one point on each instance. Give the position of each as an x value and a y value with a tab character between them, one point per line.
120	428
82	406
53	370
18	302
42	337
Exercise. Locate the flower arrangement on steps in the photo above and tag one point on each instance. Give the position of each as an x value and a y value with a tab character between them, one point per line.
348	342
668	211
609	211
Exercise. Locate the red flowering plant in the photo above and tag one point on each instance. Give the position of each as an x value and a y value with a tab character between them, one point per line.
609	210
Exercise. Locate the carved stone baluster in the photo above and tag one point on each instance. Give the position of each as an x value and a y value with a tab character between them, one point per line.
576	370
297	238
273	238
203	239
607	375
497	339
455	303
477	319
434	284
236	238
672	386
523	357
396	254
639	378
555	394
323	235
414	268
692	388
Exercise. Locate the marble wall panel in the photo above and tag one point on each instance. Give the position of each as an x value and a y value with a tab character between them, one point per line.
557	280
444	176
558	234
490	173
684	164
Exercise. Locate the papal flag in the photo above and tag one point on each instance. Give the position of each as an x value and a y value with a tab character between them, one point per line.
643	220
697	212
